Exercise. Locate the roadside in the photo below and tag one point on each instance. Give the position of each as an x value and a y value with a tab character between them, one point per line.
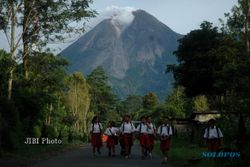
27	155
185	154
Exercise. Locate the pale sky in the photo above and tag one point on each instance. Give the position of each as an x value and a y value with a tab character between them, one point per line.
182	16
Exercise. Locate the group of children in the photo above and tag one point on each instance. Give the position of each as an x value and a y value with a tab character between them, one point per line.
146	132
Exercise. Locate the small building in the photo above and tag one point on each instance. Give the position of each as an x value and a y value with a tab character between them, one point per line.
203	117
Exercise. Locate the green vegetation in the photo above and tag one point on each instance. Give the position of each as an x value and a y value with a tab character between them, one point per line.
183	153
39	99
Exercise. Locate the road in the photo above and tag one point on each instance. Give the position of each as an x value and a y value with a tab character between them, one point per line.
83	157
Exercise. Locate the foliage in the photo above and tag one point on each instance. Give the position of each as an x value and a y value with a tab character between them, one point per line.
200	104
131	105
103	99
177	103
150	100
197	66
77	102
5	63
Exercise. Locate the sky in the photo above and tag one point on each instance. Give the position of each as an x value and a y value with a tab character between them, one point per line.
182	16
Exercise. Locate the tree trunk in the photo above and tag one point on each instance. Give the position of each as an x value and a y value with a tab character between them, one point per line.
12	49
25	55
247	27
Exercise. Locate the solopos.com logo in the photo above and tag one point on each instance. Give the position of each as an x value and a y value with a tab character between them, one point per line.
221	154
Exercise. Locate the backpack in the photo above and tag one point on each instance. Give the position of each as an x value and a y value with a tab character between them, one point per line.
124	125
217	130
98	125
168	129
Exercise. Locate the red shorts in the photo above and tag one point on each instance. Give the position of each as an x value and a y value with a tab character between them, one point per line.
151	141
127	139
213	144
144	140
96	140
110	141
165	144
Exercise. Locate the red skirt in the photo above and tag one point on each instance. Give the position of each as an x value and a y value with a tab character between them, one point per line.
213	144
165	144
96	140
127	139
151	141
110	141
144	140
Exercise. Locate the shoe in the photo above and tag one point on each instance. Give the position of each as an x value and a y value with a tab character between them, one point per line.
163	162
99	152
143	157
150	155
126	157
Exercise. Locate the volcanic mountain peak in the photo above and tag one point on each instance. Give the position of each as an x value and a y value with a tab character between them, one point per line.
133	48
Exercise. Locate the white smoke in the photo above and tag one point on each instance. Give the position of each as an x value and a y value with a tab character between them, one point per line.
121	16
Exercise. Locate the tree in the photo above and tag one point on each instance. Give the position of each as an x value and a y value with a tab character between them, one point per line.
5	63
176	103
102	98
238	23
197	66
38	99
41	22
200	104
150	100
78	101
131	105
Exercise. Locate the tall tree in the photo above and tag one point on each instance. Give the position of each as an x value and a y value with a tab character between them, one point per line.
176	104
41	22
150	101
238	23
198	64
103	99
78	101
200	104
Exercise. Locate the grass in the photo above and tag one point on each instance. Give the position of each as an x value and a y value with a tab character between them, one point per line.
185	154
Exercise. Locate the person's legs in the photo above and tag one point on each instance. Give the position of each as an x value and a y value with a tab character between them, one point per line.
126	145
109	153
210	145
99	150
113	151
151	145
165	146
94	150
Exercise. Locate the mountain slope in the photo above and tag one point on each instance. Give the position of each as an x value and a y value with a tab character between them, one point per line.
134	56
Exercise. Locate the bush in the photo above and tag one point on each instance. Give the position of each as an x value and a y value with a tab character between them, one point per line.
10	126
37	131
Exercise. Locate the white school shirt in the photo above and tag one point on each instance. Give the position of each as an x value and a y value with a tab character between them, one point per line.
164	131
212	133
142	128
114	131
96	128
127	127
151	129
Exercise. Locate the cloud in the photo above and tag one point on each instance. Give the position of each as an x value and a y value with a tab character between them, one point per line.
119	15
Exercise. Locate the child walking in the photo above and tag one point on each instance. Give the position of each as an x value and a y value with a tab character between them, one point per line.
111	132
165	132
127	131
142	130
151	135
213	135
96	135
